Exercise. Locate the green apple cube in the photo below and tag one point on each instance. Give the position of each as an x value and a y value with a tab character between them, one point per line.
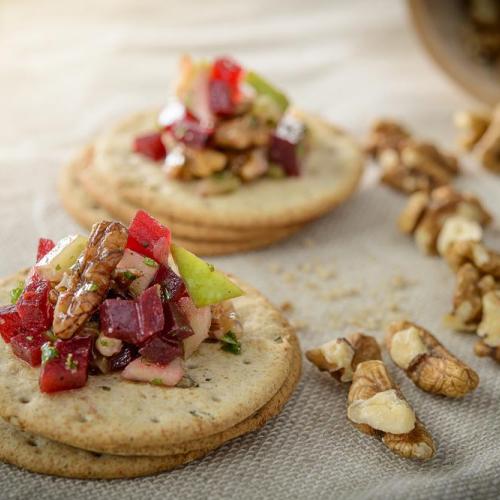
263	87
61	257
206	286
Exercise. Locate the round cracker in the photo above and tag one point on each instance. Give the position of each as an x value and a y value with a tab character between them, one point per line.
115	416
87	211
331	172
123	210
44	456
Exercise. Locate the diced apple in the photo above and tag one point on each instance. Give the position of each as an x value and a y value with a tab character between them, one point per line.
140	370
263	87
145	265
204	283
54	264
200	320
108	346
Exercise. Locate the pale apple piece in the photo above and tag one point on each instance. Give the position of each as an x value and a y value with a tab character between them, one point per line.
200	319
146	267
141	370
108	346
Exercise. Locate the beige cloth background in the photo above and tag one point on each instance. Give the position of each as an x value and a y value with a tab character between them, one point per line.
67	69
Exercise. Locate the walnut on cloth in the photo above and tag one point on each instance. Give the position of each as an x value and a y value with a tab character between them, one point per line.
440	218
377	407
427	362
409	165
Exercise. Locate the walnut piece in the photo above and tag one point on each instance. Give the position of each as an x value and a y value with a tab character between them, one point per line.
413	212
384	135
458	228
427	362
489	328
488	147
224	319
341	356
471	126
482	258
373	395
86	285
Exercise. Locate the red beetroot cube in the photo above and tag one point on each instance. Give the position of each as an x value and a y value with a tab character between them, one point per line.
191	133
227	70
28	347
148	237
133	321
176	323
121	359
10	322
34	308
65	364
161	349
285	141
221	98
171	283
150	145
44	247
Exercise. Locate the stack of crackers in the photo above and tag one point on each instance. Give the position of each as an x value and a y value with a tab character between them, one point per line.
108	180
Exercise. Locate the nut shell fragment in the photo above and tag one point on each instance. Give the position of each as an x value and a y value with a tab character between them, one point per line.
436	371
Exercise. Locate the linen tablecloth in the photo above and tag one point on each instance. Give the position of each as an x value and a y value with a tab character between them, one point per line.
68	69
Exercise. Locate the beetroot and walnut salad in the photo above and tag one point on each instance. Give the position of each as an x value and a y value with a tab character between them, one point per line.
225	126
112	303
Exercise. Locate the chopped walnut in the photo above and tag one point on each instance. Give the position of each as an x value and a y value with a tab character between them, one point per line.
488	147
485	260
224	319
377	407
489	328
242	132
250	165
413	212
471	127
427	362
386	134
87	283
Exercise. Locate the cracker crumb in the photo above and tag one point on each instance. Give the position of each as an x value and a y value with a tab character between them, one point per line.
340	293
289	277
287	307
400	282
308	242
275	268
299	324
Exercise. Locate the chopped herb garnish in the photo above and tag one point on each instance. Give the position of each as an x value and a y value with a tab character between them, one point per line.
278	340
145	244
71	364
92	287
49	352
130	276
50	335
58	267
150	262
157	381
103	342
211	267
16	292
230	343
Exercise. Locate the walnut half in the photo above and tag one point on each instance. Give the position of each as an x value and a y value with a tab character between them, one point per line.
427	362
377	407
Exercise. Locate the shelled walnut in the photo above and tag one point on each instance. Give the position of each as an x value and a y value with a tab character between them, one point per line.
482	258
409	165
444	216
427	362
341	356
377	407
487	148
471	126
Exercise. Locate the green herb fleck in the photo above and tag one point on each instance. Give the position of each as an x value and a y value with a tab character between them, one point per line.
49	352
278	340
157	381
130	276
230	343
71	364
145	244
211	267
150	262
16	292
50	335
103	342
58	267
92	287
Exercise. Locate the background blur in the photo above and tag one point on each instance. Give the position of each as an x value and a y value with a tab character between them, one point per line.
68	69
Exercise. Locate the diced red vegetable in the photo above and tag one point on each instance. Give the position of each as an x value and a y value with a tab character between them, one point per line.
133	321
65	366
150	145
162	349
176	322
119	361
34	308
191	133
283	149
44	247
227	70
221	98
10	322
172	285
148	237
28	347
141	370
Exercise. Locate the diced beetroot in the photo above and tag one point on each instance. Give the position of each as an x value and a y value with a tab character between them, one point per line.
33	307
200	319
67	367
283	149
142	371
10	322
133	321
227	70
148	237
119	361
171	283
28	347
221	98
44	247
176	322
162	349
150	145
191	133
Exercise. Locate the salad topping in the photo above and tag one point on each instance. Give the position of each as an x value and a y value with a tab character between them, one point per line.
114	303
225	126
